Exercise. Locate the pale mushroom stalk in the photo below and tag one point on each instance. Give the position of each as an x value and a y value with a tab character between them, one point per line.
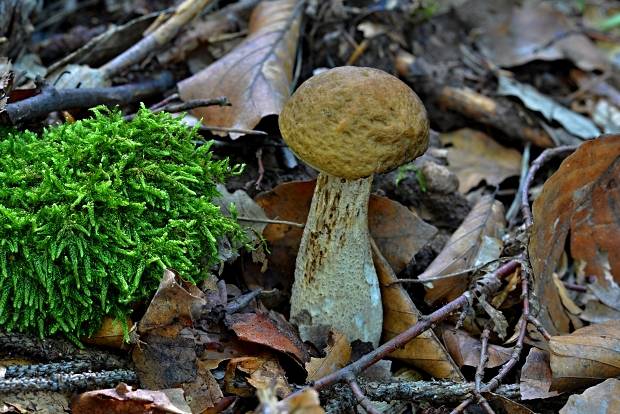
349	123
341	284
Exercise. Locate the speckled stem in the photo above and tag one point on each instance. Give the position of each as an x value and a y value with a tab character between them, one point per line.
335	280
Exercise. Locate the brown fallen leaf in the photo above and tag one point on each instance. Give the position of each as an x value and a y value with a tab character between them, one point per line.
465	349
474	156
476	242
516	35
337	355
580	198
586	356
111	334
504	405
270	330
255	76
603	398
399	313
245	375
399	233
304	402
123	399
536	376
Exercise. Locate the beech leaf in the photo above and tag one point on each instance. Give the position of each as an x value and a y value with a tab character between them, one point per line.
474	156
581	199
255	76
476	242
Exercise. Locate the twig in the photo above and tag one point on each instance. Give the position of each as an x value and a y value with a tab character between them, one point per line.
184	13
361	398
210	128
51	99
536	165
261	168
242	301
484	357
516	202
270	221
516	350
175	107
575	287
446	276
438	392
68	382
539	327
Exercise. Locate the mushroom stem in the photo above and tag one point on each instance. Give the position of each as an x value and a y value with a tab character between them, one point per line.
336	285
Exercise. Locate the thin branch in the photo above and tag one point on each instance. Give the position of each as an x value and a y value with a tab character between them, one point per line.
184	13
516	350
210	128
536	165
51	99
539	327
484	357
360	397
270	221
174	107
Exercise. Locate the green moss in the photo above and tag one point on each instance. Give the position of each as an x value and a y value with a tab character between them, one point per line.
92	212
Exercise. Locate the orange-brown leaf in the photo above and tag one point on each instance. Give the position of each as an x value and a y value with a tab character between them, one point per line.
400	313
474	156
581	198
255	76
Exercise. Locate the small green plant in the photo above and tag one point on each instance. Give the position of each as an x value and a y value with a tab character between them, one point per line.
92	212
403	172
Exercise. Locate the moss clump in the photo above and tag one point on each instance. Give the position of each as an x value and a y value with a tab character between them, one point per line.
91	212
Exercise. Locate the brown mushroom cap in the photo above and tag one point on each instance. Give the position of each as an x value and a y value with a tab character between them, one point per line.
352	122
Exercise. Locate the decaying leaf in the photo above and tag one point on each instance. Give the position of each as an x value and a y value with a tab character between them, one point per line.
502	404
536	376
515	35
245	375
304	402
270	330
399	313
465	349
581	198
399	233
586	356
474	156
337	355
603	398
111	334
574	123
255	76
167	355
475	243
123	399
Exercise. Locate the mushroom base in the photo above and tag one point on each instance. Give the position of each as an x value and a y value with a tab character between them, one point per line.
336	285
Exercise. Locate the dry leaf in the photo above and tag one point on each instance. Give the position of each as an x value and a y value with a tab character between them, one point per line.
111	334
565	297
269	330
245	375
465	349
581	198
474	156
603	398
517	35
504	405
337	355
123	399
476	242
586	356
255	76
597	312
536	376
304	402
400	313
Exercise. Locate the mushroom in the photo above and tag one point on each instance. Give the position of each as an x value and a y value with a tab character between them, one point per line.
348	123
